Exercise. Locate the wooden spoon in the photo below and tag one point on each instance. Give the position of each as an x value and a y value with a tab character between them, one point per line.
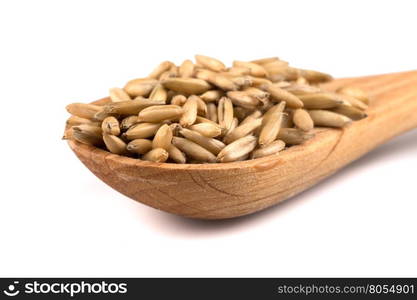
219	191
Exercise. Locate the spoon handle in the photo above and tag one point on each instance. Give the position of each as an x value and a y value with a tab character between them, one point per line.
393	110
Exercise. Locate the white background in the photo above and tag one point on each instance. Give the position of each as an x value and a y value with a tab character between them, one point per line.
57	219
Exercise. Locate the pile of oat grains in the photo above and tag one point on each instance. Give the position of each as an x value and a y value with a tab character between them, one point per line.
204	112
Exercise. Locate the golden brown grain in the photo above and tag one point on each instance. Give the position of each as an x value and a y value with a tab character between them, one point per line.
159	113
271	124
210	63
273	109
193	150
279	94
293	136
131	107
301	81
110	125
158	155
320	100
178	100
237	71
282	84
207	129
102	114
266	60
254	69
140	86
173	71
273	148
282	73
350	111
260	82
243	130
128	122
200	119
187	86
212	112
118	94
287	120
82	110
225	112
68	134
353	101
301	89
87	134
216	79
328	118
166	75
314	76
254	115
74	120
256	93
159	94
275	67
302	119
210	144
189	112
163	137
242	81
161	68
240	113
237	149
355	93
175	127
186	69
234	124
212	96
114	144
201	106
176	155
241	98
139	146
142	130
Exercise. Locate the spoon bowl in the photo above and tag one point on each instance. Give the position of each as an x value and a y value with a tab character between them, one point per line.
228	190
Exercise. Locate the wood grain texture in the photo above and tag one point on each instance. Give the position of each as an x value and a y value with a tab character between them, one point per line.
218	191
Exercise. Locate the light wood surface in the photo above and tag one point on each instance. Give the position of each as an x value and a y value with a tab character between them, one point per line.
218	191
